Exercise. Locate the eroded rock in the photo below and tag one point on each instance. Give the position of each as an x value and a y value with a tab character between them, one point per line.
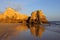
12	16
38	17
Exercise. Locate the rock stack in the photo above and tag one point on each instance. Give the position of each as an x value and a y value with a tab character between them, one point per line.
38	17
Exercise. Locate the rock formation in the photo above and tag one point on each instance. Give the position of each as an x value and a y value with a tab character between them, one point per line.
38	17
12	16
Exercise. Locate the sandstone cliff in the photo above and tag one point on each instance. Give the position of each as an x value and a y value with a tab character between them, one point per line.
38	17
10	15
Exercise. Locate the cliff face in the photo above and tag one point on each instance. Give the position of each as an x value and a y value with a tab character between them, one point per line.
38	16
42	17
10	15
1	16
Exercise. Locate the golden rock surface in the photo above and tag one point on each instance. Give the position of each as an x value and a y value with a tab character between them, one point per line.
38	16
11	15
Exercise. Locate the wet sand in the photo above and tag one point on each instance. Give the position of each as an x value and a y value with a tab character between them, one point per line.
16	31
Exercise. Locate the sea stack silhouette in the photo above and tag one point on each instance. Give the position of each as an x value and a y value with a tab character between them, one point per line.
12	16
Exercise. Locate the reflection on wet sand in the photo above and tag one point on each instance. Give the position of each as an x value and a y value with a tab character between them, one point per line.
22	27
17	32
37	30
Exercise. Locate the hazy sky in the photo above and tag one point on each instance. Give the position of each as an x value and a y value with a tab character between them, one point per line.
51	8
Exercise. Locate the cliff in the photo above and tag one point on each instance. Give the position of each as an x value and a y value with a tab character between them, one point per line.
38	17
10	15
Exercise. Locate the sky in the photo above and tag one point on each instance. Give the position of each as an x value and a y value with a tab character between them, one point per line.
51	8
